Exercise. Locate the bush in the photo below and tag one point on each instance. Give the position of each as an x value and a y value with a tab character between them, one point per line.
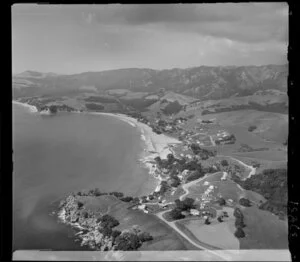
239	233
251	128
108	221
115	233
53	109
117	194
245	202
220	219
145	236
221	201
224	162
126	199
127	241
106	231
186	204
79	204
176	214
194	176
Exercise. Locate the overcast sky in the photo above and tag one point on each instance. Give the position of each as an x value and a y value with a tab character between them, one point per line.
79	38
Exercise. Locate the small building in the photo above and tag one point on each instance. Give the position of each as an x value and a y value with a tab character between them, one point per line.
185	213
206	183
195	212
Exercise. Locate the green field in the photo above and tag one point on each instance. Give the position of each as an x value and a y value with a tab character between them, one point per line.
263	230
165	238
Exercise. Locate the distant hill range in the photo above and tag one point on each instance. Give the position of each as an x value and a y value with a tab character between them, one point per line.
201	83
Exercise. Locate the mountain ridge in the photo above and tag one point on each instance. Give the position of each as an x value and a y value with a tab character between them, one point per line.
203	82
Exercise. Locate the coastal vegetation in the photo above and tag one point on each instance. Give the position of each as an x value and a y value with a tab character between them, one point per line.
271	184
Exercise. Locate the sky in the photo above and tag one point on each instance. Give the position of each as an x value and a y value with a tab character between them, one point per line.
69	39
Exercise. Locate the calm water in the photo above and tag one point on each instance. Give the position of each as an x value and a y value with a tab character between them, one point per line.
55	155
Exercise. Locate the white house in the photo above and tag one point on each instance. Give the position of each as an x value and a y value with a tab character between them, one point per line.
194	212
206	183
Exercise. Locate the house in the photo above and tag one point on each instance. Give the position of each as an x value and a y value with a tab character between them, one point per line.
195	212
206	183
224	177
185	213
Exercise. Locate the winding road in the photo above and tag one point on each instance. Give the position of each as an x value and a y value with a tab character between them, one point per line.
173	226
252	169
186	186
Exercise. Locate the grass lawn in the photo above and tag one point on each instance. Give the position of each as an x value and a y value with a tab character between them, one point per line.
165	238
263	230
271	155
217	235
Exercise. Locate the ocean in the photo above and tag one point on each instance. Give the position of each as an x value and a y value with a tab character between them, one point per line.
56	155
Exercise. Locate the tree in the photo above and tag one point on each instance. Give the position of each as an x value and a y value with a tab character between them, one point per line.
108	221
176	214
170	158
207	222
245	202
251	128
53	109
115	233
145	236
135	200
126	199
220	219
188	203
221	201
106	231
127	241
239	233
175	182
79	204
224	162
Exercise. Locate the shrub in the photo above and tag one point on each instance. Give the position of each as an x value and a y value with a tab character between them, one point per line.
239	233
176	214
126	199
251	128
108	221
127	241
224	162
221	201
79	204
145	236
115	233
245	202
220	219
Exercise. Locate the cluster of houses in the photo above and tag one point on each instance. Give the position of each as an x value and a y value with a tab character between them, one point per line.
223	137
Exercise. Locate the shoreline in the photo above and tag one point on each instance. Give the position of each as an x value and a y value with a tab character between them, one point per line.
32	108
155	144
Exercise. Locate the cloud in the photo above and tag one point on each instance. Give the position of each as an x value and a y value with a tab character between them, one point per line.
245	22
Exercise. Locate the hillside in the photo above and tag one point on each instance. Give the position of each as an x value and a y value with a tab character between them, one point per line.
202	82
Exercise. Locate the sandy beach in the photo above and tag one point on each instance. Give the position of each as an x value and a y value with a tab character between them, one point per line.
156	145
32	109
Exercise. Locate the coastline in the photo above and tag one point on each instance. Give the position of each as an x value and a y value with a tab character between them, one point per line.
155	144
32	109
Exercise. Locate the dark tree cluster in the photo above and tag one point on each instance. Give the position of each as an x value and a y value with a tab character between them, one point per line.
203	153
272	185
239	223
108	221
245	202
172	108
252	128
117	194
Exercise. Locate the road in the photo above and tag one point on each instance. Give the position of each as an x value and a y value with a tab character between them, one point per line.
252	169
186	186
212	141
173	226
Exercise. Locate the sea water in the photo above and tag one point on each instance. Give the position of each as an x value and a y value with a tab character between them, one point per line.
56	155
